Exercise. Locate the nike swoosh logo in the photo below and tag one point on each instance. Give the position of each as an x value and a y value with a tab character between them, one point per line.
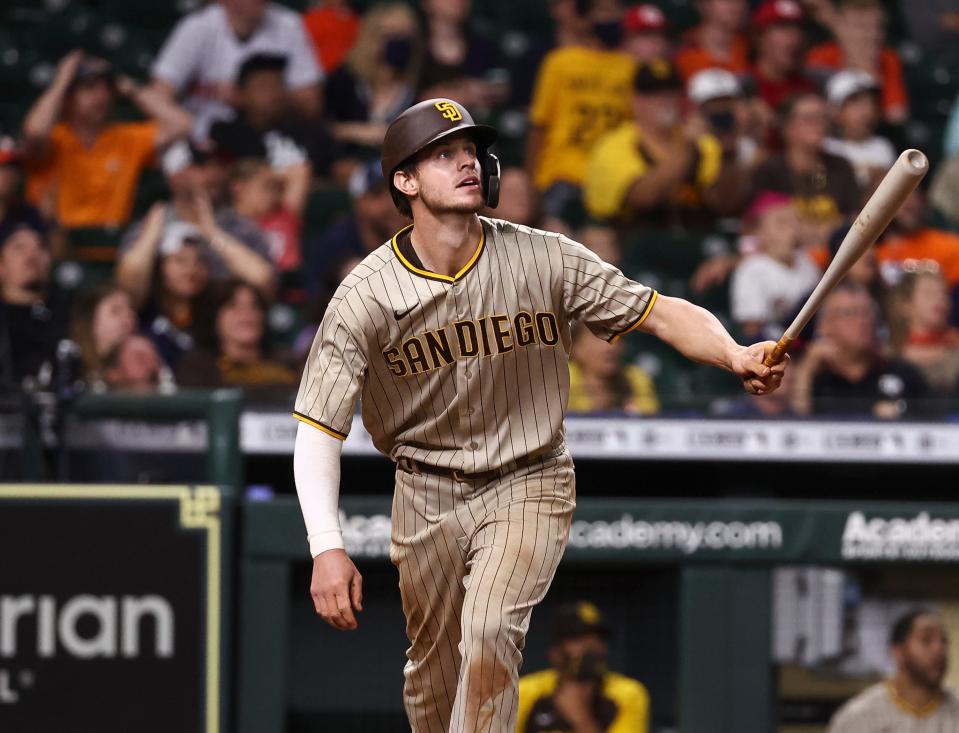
403	314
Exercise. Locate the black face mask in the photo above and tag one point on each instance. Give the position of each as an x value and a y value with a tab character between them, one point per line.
609	33
722	121
397	52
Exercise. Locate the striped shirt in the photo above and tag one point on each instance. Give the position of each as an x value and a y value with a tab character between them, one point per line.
470	371
879	709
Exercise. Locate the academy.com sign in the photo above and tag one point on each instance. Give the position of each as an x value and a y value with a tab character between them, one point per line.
900	538
671	535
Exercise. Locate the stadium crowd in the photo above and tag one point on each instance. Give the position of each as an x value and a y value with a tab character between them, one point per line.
185	229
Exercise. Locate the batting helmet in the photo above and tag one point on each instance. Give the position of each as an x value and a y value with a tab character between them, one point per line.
431	120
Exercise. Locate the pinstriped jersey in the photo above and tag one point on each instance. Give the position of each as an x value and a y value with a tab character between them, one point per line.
470	371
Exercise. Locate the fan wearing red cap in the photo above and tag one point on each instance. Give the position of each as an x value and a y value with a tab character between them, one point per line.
646	33
718	41
860	30
779	42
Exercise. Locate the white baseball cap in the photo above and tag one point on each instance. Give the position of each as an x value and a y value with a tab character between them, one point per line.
844	84
710	84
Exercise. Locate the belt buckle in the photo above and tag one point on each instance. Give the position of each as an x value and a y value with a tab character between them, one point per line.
459	476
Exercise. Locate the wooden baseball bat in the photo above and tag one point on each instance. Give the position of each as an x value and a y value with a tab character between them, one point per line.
875	216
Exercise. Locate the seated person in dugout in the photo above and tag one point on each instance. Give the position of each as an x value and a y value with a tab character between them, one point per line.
915	699
578	693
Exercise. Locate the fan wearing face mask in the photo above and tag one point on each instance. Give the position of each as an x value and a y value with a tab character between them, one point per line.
659	169
378	79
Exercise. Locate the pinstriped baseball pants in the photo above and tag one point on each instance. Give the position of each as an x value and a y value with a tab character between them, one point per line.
474	559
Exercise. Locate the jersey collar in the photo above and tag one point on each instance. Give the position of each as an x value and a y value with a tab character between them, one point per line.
422	272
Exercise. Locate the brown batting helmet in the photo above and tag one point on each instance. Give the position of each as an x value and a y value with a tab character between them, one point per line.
425	123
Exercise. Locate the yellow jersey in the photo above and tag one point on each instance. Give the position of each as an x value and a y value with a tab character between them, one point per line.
580	94
635	390
620	157
622	705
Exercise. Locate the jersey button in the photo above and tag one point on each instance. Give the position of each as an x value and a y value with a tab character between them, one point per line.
470	410
467	374
474	445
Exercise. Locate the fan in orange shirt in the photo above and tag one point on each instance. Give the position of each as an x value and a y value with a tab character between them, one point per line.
84	169
908	238
718	41
860	31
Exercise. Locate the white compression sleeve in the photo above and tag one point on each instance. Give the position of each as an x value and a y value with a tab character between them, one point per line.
316	469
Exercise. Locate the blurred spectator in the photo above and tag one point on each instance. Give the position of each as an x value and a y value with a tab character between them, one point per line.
599	381
646	33
718	41
944	191
860	31
459	63
718	97
570	28
273	202
33	314
261	126
582	92
602	240
12	206
578	692
915	699
518	200
202	56
823	185
777	71
843	371
134	365
910	238
934	27
927	341
167	273
854	97
767	285
374	220
379	78
83	168
234	246
332	27
234	354
658	169
102	319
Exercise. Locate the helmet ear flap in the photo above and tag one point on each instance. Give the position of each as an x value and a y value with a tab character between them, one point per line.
490	167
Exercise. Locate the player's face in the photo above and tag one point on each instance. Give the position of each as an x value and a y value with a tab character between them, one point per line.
924	656
448	177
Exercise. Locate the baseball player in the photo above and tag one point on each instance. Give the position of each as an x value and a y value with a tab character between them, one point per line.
456	335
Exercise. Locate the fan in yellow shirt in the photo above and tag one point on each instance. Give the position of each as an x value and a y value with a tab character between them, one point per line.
581	92
654	167
578	693
600	382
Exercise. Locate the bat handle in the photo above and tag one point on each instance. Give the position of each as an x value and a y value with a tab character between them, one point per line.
778	353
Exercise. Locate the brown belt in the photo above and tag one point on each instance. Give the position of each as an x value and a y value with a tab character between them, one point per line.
413	466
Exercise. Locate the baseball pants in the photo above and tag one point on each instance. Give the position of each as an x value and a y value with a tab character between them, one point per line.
474	558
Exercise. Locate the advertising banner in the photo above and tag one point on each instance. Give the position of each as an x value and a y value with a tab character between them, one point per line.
111	601
622	530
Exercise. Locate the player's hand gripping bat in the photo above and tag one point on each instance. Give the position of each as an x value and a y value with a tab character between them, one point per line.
875	216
